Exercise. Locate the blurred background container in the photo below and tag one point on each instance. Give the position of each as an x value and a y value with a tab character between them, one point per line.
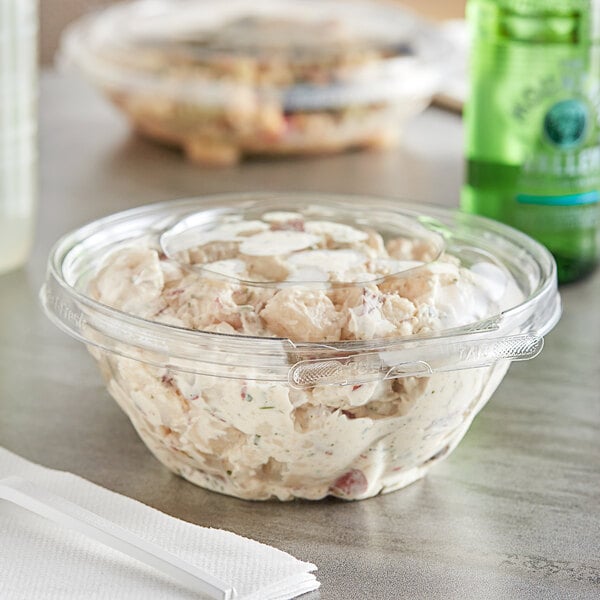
225	80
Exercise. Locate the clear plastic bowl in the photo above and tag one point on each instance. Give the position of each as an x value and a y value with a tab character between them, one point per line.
223	79
247	412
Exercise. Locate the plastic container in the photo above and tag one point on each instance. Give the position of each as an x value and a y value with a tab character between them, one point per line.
263	380
223	79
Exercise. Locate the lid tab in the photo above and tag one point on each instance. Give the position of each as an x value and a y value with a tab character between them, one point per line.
438	357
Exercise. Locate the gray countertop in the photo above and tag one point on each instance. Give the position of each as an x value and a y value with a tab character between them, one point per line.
513	513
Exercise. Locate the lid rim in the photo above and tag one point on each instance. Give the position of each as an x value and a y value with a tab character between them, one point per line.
68	304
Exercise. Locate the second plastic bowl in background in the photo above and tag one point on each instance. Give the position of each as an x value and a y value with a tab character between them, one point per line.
225	79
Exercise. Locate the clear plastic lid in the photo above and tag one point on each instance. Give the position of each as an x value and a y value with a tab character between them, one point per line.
460	260
306	55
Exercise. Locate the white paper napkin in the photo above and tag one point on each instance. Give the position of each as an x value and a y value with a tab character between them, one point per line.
41	560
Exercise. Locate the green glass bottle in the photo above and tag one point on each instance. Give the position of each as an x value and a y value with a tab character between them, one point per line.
533	123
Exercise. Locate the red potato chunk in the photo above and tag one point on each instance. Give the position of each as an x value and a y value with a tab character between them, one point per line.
351	484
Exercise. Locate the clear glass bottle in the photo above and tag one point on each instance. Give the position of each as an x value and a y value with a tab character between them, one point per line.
18	125
533	123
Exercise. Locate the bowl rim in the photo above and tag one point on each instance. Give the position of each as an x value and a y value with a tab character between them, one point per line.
73	311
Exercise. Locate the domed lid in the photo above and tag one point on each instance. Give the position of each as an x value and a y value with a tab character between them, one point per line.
303	288
316	54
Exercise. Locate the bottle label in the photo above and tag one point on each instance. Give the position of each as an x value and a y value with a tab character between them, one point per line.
565	153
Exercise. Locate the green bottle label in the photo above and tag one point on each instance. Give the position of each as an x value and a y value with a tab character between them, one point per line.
565	156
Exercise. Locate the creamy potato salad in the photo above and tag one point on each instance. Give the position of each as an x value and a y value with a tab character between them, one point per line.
284	275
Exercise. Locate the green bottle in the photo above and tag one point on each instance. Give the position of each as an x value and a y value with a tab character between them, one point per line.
533	123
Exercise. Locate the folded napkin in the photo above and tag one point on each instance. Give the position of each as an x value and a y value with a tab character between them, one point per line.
41	560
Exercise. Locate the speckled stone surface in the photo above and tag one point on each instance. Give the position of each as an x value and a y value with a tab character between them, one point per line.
513	513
